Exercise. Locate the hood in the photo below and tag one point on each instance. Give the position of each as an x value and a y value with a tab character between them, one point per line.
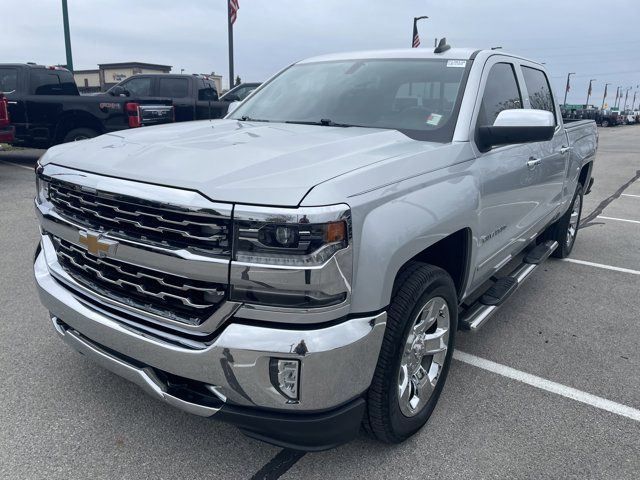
231	161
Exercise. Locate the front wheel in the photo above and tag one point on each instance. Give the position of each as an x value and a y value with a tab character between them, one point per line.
415	355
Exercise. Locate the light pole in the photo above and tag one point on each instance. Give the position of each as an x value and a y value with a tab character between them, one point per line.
181	71
67	35
586	105
568	87
605	95
415	38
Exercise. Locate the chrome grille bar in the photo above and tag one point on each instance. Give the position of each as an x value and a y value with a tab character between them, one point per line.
132	218
190	301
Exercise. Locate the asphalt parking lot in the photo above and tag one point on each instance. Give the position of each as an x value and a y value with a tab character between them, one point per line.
559	397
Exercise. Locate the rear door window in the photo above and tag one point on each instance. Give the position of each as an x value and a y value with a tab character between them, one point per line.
501	92
8	80
207	91
538	88
50	82
173	87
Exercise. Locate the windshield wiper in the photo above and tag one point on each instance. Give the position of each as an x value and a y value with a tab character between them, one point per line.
246	118
325	122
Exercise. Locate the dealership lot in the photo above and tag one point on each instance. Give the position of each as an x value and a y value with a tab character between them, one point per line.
574	324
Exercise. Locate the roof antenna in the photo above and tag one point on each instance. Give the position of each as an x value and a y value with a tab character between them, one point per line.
442	46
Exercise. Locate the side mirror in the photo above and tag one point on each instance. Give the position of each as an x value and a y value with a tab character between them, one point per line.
231	98
517	126
119	91
232	106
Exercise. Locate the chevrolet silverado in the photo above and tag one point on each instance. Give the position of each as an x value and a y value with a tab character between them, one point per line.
300	268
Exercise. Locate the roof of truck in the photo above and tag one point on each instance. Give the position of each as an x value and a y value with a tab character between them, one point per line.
452	53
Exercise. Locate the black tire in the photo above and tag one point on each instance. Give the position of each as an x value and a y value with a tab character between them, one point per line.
605	123
415	286
79	134
559	230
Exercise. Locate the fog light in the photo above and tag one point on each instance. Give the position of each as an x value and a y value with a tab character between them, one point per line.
285	376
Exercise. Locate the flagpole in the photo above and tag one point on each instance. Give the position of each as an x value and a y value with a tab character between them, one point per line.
605	95
586	105
566	90
230	29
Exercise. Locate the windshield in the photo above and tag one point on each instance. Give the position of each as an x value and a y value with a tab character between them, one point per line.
416	96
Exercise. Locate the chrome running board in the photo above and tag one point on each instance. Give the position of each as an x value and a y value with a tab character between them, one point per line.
477	314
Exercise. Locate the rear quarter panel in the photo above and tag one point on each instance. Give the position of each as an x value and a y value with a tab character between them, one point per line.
583	137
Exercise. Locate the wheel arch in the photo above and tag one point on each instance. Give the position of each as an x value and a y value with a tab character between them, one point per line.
76	119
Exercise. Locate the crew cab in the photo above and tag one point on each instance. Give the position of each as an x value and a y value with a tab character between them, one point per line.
194	97
302	266
45	107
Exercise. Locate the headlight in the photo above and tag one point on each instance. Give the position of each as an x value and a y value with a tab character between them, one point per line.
292	257
42	189
290	237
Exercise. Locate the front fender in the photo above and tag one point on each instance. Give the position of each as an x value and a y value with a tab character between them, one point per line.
404	221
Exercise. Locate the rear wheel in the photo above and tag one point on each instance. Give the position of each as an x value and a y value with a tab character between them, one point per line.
565	230
79	134
605	123
415	355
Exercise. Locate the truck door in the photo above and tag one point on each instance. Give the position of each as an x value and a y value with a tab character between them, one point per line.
177	89
44	104
509	196
553	155
207	97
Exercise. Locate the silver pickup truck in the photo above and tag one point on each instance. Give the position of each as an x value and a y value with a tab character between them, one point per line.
300	268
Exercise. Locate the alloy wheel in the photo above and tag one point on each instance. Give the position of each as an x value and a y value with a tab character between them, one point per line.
423	356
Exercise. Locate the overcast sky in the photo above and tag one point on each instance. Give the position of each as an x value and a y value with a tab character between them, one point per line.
593	38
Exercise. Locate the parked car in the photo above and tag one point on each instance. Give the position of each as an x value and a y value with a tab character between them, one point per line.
302	266
239	92
45	107
194	97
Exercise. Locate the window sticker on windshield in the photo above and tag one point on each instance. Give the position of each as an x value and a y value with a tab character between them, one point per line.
434	119
457	63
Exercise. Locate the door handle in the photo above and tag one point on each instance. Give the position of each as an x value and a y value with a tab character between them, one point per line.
533	163
564	150
12	103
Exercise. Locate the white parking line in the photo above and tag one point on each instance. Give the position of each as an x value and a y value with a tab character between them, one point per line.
17	165
630	195
602	265
618	219
548	385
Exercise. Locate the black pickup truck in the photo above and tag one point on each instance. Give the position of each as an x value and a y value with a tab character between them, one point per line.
45	107
194	97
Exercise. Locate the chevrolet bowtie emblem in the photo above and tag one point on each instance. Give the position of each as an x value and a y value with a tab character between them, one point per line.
96	245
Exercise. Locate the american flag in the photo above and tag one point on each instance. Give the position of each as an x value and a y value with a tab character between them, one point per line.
416	37
234	6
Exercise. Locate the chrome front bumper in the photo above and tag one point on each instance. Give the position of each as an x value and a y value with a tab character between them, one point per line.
337	362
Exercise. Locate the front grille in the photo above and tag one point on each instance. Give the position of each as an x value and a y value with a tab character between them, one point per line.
171	296
150	222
